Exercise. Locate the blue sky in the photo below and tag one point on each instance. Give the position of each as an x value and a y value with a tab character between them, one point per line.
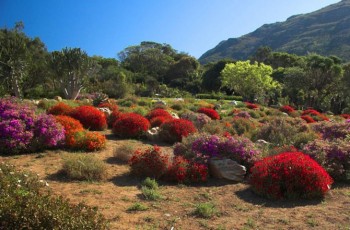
106	27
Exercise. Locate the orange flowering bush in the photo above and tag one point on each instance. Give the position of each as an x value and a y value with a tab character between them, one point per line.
289	175
149	163
94	141
69	124
85	140
60	109
213	114
173	131
90	117
130	125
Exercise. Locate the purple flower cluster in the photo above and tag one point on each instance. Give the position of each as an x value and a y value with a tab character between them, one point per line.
333	155
243	114
207	145
23	131
331	131
48	132
198	119
240	149
201	147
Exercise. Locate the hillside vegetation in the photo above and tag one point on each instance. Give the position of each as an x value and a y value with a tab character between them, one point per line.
325	31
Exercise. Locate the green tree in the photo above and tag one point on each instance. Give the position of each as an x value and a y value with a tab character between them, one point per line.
72	68
148	59
316	84
211	80
110	79
182	72
252	81
14	58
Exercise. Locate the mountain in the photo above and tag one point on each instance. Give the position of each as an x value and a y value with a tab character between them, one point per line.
325	31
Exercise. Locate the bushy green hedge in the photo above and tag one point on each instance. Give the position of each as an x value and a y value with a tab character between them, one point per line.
218	97
25	204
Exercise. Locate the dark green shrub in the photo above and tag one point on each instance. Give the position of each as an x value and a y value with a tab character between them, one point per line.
25	204
177	106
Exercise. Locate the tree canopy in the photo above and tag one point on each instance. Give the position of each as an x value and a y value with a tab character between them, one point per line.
252	81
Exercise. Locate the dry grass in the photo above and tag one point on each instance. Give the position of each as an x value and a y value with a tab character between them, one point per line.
236	207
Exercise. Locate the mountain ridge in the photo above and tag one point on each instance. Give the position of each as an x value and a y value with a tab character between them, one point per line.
325	31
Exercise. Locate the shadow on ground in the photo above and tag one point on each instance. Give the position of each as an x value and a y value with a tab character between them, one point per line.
125	179
249	196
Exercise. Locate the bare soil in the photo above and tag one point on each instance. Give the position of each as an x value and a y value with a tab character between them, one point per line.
236	206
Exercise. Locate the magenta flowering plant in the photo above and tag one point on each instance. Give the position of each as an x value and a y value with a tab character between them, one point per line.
332	130
333	155
48	132
24	131
201	147
198	119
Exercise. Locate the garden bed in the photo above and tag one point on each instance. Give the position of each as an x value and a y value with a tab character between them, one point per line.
235	205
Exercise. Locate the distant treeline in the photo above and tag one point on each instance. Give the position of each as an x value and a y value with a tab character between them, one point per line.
28	70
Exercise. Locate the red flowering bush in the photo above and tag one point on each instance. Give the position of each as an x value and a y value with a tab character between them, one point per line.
184	171
251	105
158	121
113	117
158	113
149	163
310	112
308	119
213	114
69	124
315	115
173	131
289	175
345	116
90	117
85	140
287	109
60	109
130	125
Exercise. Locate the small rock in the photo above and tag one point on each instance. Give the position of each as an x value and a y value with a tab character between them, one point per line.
58	98
227	168
153	134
